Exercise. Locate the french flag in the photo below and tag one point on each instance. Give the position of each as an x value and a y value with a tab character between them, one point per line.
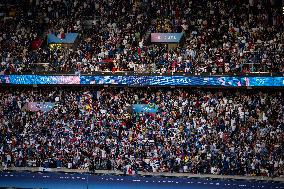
61	35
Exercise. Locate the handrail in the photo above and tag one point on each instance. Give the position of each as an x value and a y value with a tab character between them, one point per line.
164	174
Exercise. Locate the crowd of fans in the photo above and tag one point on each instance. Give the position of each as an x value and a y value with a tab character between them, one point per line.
196	131
204	131
229	36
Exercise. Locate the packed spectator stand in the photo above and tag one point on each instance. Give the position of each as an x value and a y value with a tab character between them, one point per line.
220	37
225	132
207	131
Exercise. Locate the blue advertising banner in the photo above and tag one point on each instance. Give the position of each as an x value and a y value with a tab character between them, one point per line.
41	80
184	81
224	81
164	80
265	81
166	37
88	181
145	108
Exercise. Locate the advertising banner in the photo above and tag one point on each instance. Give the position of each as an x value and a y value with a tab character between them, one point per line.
164	81
166	37
42	79
39	106
221	81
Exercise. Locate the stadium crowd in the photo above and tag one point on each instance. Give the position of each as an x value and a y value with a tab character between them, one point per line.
229	36
226	132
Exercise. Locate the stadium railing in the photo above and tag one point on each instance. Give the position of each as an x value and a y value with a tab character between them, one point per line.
115	172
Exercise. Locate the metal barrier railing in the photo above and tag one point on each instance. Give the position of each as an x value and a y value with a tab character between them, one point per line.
115	172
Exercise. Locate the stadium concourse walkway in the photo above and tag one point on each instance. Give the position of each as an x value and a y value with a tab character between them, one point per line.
113	172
